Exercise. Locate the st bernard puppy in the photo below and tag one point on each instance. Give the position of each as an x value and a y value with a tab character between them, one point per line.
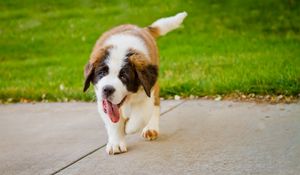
123	67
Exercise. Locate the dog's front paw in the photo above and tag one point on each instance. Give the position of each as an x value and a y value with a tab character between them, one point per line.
116	148
149	134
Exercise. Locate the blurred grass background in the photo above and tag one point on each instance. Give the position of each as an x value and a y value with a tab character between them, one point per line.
224	46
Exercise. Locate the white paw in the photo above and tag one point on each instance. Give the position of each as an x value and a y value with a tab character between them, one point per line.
116	148
150	134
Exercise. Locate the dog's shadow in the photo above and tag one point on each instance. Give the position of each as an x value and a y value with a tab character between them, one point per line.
141	143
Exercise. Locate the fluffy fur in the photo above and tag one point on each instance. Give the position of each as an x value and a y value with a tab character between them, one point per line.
123	68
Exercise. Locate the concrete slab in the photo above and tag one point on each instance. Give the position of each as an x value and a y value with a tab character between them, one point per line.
207	137
42	138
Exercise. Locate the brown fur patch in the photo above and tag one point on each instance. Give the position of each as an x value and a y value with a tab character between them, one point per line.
154	31
156	95
139	59
98	54
150	134
142	33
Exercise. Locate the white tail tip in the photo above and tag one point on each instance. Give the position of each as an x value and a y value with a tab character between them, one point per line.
165	25
181	15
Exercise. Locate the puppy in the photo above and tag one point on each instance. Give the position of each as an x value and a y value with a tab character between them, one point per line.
123	67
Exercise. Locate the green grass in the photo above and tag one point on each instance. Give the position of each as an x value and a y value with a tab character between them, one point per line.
225	46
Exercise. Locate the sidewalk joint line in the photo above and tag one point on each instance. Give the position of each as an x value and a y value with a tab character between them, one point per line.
163	113
77	160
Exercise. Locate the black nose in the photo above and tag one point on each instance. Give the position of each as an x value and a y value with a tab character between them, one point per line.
108	90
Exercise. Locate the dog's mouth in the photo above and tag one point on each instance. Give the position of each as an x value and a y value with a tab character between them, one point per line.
113	110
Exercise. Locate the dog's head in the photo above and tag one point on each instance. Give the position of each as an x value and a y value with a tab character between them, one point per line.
117	74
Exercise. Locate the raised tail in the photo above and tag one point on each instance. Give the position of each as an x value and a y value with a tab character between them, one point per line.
164	25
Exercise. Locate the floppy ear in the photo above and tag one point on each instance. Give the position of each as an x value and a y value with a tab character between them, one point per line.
88	74
97	56
148	77
147	72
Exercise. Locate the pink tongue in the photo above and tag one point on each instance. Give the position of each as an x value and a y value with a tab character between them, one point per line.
112	110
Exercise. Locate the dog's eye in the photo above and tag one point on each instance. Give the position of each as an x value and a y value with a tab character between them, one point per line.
102	72
129	54
123	76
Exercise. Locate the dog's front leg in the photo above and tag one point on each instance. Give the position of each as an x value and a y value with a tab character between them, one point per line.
116	135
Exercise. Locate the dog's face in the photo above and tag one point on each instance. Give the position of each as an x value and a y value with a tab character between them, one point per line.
117	74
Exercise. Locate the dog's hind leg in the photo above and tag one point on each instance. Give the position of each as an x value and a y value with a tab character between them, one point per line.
151	131
140	116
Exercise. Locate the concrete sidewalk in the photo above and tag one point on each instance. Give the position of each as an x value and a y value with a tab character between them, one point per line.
197	137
